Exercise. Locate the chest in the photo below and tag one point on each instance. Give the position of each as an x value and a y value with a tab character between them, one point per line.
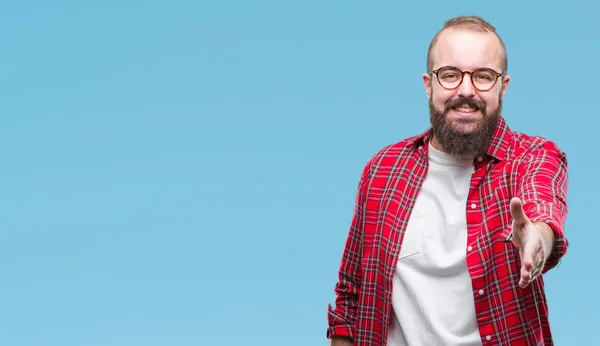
392	197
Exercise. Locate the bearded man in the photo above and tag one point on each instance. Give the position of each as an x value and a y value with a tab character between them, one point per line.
453	228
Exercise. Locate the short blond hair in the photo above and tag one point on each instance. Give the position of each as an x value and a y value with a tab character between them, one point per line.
474	23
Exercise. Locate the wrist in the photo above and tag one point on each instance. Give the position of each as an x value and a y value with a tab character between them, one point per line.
341	341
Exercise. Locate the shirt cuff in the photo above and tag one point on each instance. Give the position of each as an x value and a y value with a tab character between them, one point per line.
337	327
341	330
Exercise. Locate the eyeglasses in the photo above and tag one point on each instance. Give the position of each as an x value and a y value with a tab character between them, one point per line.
483	79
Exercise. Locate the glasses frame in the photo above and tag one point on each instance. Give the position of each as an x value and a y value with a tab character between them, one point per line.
462	77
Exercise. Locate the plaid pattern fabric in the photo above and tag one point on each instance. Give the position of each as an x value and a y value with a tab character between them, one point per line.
515	165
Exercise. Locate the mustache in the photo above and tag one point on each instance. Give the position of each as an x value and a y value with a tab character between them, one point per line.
452	103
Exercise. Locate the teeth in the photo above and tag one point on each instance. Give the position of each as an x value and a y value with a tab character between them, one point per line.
466	109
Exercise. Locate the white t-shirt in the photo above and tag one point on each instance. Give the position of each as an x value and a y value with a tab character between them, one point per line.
432	296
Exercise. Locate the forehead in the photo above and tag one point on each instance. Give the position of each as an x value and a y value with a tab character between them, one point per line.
467	50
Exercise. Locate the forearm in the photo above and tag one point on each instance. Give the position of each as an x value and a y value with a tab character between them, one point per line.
341	341
342	317
543	181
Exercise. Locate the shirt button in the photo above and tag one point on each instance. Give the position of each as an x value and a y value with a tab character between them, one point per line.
420	147
469	248
480	159
473	206
480	292
488	338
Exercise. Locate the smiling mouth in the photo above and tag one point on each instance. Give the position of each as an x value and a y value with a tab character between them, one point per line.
466	109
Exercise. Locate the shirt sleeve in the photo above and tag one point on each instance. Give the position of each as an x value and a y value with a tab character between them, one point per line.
342	317
543	190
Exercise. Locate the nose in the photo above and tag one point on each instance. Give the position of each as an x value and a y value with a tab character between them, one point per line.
466	88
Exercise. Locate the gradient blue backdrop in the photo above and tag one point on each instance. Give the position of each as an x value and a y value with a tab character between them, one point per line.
183	172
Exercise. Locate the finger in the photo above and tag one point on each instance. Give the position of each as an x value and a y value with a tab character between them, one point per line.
528	265
537	270
539	265
516	210
535	273
526	275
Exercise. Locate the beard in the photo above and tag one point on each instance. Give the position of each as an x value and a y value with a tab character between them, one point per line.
460	143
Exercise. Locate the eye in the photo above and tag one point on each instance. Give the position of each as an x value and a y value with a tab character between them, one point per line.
484	75
450	75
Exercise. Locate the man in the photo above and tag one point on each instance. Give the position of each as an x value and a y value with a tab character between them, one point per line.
453	229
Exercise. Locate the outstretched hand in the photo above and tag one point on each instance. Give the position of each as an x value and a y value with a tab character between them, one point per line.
534	246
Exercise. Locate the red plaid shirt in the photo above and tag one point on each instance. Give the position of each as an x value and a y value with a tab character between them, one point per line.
515	165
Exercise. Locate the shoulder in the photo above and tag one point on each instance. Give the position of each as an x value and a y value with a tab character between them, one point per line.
526	145
394	154
405	147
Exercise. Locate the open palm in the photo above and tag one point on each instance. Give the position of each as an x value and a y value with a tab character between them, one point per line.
528	237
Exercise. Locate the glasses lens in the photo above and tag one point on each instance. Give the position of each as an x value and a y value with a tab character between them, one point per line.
449	77
484	79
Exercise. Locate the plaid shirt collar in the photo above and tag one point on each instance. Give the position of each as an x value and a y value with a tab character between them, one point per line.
498	148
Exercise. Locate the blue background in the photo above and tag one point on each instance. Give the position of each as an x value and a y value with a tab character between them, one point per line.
183	172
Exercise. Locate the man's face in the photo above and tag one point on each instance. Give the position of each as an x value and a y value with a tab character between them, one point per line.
464	119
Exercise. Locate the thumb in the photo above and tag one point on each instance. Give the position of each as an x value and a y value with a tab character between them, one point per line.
516	210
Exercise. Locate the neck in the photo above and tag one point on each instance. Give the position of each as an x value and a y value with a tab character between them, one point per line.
438	146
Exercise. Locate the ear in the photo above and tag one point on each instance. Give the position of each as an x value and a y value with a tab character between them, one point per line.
427	84
505	82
